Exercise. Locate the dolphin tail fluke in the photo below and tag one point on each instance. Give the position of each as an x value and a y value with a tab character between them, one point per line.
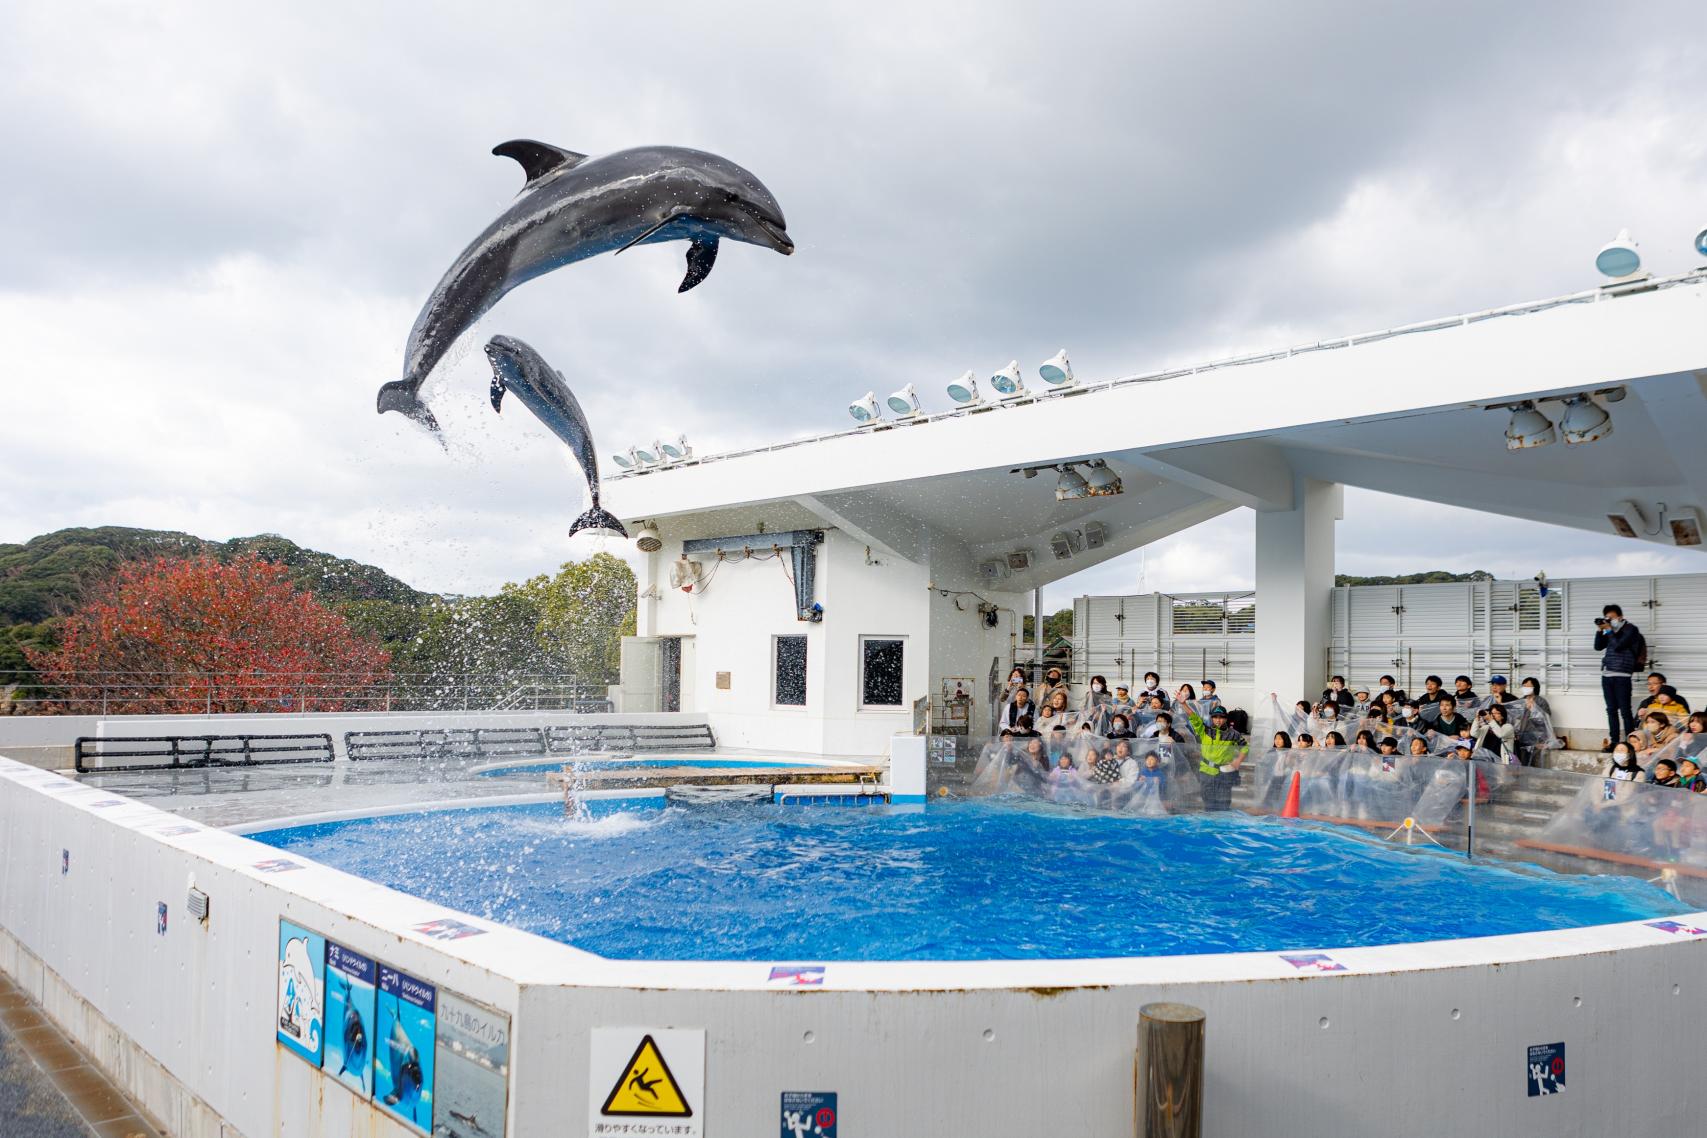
404	395
598	520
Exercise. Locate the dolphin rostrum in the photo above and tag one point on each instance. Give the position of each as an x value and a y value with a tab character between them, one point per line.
574	207
516	366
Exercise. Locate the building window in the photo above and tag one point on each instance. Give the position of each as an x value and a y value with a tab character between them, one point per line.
880	664
789	658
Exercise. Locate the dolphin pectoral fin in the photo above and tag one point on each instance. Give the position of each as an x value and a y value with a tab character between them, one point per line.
654	229
498	390
702	254
538	158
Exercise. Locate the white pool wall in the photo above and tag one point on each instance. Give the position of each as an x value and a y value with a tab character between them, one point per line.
185	1020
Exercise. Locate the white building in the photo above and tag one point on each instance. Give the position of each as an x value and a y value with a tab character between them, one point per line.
934	539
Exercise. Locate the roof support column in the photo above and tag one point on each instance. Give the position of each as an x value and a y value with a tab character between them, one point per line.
1295	581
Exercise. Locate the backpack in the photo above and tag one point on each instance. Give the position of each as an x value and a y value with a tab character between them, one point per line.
1641	652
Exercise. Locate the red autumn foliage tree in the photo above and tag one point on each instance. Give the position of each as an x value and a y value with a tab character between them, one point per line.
196	634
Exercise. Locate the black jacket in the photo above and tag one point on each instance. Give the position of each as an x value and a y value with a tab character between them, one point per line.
1452	726
1620	649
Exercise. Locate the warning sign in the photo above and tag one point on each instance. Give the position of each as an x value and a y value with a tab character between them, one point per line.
646	1073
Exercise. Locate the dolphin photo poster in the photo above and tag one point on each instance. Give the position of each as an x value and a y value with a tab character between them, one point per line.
473	1069
302	991
349	1018
406	1027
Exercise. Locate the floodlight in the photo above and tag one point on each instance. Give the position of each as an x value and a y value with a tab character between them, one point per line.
1071	485
865	410
1101	480
1096	535
1584	421
625	460
1528	428
678	451
964	391
1066	543
646	457
1618	258
1056	371
905	403
1019	560
1008	382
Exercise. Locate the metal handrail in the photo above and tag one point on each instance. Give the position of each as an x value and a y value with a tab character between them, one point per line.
189	751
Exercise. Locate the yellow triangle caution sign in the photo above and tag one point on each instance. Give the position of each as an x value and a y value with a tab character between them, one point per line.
646	1087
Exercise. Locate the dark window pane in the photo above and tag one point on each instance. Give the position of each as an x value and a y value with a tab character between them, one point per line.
791	670
881	672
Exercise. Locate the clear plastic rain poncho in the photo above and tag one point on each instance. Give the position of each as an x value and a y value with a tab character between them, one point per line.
1633	823
1151	777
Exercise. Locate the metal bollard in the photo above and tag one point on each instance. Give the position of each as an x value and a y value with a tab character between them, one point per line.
1168	1071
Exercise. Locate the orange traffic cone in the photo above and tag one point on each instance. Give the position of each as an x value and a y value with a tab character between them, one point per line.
1290	810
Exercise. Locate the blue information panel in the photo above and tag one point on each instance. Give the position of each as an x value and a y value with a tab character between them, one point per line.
403	1050
349	1013
302	991
1546	1069
808	1114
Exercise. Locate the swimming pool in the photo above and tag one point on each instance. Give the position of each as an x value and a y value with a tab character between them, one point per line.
957	881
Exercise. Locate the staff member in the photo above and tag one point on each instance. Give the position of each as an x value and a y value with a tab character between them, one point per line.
1622	651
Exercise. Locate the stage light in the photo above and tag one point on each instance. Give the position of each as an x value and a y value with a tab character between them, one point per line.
625	461
865	410
678	451
1528	428
645	457
1008	382
905	403
964	391
1618	258
1101	480
1056	371
1584	421
1071	485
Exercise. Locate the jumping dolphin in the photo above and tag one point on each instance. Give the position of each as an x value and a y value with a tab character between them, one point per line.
542	390
574	207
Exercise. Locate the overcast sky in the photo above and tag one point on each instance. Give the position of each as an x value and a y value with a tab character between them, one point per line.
220	221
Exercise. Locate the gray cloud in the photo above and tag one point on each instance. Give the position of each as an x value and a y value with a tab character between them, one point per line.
220	221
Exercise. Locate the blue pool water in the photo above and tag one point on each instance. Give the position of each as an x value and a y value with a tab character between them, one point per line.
960	881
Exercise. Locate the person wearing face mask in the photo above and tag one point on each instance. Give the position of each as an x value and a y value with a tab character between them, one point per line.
1623	652
1410	718
1532	699
1624	767
1389	684
1152	690
1337	693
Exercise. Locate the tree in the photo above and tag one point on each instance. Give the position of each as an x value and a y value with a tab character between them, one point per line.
195	634
585	611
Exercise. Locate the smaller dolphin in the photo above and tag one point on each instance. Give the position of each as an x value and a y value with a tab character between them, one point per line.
543	391
406	1077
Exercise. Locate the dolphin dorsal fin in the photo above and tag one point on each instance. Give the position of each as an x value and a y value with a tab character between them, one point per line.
538	158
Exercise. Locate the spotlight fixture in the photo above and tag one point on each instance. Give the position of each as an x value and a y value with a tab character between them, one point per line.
1071	484
1102	481
1019	560
1066	543
865	410
625	460
1618	258
1056	371
1528	428
1096	535
1008	382
1584	421
678	451
647	540
646	457
905	403
1701	244
964	391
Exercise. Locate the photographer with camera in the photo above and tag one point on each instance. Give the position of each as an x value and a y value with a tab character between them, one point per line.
1623	654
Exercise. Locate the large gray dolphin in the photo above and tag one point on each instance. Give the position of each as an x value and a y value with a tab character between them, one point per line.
574	207
517	367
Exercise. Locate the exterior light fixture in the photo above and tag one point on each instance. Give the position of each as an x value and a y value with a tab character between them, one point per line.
1071	485
864	411
904	403
1008	382
678	451
1584	421
964	391
1056	371
625	460
1101	480
1528	428
1618	258
1096	535
1701	244
645	457
647	540
1066	543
